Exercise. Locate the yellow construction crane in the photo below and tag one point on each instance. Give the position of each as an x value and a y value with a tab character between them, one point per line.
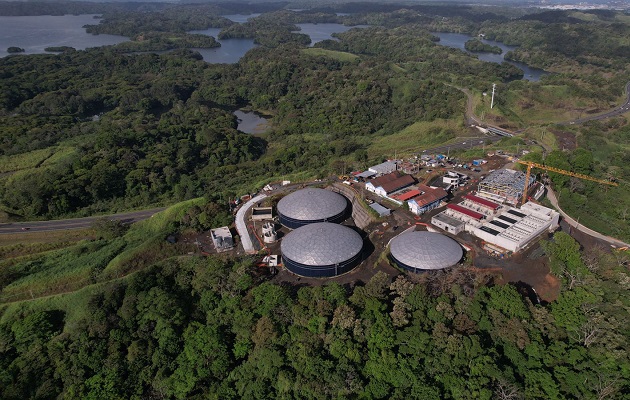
531	164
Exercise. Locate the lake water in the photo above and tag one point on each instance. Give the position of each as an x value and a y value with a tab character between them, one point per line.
250	122
458	40
319	32
240	18
231	50
35	33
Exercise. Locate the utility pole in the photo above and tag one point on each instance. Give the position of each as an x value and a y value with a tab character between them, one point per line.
494	85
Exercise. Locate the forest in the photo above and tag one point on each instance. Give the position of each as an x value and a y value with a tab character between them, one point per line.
196	327
118	312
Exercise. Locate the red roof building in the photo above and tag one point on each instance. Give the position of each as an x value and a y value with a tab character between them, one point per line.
465	211
481	201
389	183
397	184
407	195
429	195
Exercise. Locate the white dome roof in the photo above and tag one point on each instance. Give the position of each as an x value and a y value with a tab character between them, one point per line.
426	250
321	243
312	204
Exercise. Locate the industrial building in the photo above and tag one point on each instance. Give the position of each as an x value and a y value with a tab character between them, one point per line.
419	251
480	205
222	238
382	211
426	199
446	222
464	214
311	205
514	228
454	178
262	213
322	250
389	183
504	186
384	168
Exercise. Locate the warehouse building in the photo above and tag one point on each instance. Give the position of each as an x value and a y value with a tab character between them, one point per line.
504	186
222	238
448	223
480	205
419	251
311	205
427	199
322	250
514	228
383	168
389	183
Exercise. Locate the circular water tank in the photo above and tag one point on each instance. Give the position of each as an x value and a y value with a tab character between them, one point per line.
419	251
321	250
270	237
312	205
268	227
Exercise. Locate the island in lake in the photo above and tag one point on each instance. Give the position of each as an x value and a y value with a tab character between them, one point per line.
59	49
477	46
15	49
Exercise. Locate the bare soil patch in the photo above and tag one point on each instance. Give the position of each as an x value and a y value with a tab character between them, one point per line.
565	140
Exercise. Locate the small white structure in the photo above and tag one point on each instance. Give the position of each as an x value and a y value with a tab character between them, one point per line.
384	168
262	213
382	211
448	223
515	228
222	238
271	260
269	233
270	237
454	178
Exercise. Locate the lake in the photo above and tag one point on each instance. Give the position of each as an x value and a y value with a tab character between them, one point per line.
250	122
457	41
240	18
319	32
231	50
35	33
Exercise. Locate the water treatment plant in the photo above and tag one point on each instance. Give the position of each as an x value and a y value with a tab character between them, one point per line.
322	249
311	205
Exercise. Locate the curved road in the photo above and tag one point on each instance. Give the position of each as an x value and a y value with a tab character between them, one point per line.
241	225
573	223
622	109
74	223
134	216
471	118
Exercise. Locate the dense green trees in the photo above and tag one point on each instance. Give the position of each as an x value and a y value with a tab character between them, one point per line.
203	327
476	45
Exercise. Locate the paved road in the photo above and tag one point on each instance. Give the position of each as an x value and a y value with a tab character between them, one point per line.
75	223
463	144
622	109
573	223
241	223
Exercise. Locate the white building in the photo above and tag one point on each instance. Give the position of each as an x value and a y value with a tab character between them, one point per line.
389	183
515	228
222	238
454	178
383	168
448	223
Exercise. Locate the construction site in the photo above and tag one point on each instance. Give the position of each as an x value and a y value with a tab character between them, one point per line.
349	230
